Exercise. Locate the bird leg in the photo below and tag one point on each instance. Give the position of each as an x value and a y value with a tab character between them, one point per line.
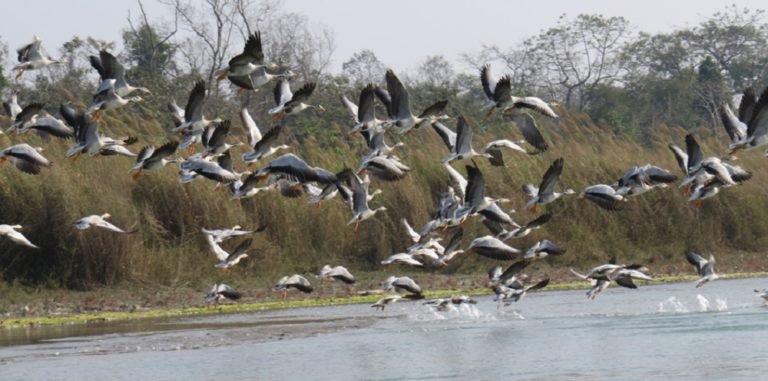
18	75
76	156
490	112
191	150
697	204
535	209
687	190
279	116
357	226
223	76
137	175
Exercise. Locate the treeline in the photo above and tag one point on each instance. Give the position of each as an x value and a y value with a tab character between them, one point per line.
661	86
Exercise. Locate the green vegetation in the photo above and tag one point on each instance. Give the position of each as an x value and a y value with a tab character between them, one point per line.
666	86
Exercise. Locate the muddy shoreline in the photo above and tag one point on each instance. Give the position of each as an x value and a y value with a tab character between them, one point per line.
60	307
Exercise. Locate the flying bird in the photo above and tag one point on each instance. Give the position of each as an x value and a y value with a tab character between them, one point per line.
12	233
704	267
98	221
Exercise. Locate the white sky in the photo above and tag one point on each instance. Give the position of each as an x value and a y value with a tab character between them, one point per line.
401	33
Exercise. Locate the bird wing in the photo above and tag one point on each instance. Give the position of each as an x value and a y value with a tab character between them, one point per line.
527	126
455	241
194	109
494	248
29	111
350	106
448	136
242	247
513	270
434	109
19	238
475	192
530	190
165	150
737	173
144	154
25	152
385	99
758	124
578	274
536	104
747	105
503	89
220	254
359	195
625	281
303	93
251	129
24	53
487	80
218	135
268	139
459	181
603	196
551	177
681	157
252	52
282	92
496	157
495	227
228	292
96	64
538	285
365	110
108	226
112	68
658	174
415	237
53	126
550	248
735	129
695	155
696	260
400	105
541	220
463	137
27	166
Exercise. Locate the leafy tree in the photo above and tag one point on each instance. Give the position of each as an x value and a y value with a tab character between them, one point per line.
363	67
436	71
150	52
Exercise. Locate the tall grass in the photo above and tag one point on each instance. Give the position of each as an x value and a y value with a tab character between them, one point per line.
168	248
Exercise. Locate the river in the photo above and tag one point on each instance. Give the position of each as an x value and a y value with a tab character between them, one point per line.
660	332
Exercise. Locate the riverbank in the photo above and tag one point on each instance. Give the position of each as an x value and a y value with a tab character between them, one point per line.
60	307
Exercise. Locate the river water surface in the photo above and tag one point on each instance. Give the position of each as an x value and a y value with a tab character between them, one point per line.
662	332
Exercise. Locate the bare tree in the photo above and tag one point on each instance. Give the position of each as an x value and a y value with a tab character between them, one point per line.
212	26
574	57
293	43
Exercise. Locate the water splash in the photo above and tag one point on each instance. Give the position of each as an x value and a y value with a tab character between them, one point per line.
511	314
451	312
705	305
672	304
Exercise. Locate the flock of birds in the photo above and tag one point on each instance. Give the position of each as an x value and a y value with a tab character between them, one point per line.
207	145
